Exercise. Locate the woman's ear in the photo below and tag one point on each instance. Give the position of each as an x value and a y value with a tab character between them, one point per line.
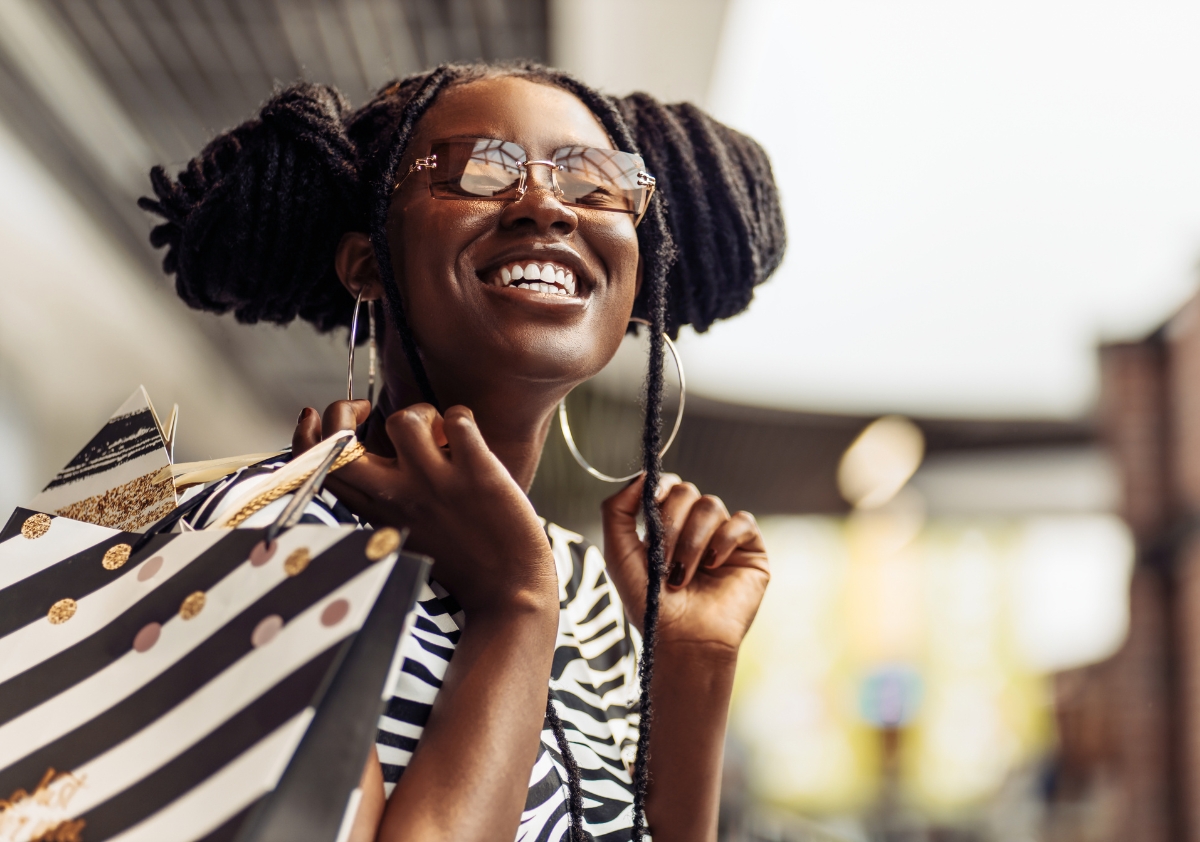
356	267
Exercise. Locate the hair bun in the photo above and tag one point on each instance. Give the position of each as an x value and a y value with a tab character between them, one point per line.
253	221
722	208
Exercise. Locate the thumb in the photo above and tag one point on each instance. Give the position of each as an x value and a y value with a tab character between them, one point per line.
344	415
308	431
624	553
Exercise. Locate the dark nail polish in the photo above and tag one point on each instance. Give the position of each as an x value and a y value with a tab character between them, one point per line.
300	417
675	579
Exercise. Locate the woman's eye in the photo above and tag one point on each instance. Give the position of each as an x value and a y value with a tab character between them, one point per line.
594	194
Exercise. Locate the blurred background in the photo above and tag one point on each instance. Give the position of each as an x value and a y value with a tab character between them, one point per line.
966	409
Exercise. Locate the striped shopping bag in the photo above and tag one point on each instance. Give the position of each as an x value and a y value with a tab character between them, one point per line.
200	685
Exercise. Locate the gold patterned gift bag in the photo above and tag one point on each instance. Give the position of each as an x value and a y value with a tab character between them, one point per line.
196	685
117	479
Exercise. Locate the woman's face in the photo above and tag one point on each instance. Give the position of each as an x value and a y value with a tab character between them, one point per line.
475	333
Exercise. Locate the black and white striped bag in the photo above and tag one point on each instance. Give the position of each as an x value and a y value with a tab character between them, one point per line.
200	686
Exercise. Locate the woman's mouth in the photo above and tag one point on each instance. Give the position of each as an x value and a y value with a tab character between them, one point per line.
546	277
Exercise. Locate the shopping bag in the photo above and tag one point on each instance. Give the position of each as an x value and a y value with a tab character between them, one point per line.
111	481
199	685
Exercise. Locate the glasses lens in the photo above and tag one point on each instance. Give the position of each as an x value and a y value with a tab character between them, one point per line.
475	169
601	178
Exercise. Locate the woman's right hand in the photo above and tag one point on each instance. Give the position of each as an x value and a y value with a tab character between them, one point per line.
459	502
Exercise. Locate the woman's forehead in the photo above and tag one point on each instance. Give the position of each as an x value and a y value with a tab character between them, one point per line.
538	117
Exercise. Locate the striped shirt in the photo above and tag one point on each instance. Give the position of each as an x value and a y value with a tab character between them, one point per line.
593	681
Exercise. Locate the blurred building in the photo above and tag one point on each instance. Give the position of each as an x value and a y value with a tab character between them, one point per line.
1130	727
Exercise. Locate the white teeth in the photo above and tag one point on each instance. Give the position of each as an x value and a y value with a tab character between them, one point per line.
554	279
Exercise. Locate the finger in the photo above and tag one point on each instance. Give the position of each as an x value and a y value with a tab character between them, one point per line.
344	415
623	507
675	508
624	552
308	431
368	486
412	433
466	442
665	483
739	532
439	431
706	517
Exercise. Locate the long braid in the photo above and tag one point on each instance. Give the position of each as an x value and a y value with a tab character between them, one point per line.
658	253
574	784
655	550
416	107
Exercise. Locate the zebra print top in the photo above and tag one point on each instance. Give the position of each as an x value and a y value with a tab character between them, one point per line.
593	680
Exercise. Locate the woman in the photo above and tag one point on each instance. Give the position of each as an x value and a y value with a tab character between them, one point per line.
438	198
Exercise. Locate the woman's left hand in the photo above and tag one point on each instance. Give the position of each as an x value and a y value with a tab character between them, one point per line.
716	564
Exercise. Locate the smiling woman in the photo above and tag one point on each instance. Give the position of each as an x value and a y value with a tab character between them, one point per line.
513	221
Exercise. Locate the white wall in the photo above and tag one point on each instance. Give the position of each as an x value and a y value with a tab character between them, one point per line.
664	47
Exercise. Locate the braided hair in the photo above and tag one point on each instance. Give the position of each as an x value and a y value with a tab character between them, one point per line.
253	222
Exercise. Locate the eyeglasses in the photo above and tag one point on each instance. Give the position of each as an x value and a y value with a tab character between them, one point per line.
497	170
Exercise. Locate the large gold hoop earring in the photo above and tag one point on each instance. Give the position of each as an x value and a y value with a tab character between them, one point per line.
371	354
566	427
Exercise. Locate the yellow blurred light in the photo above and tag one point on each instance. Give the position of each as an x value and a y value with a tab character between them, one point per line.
880	461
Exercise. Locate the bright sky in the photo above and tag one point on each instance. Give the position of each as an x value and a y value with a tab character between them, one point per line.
976	193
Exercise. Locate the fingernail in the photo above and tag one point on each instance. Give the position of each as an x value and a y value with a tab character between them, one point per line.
709	557
676	577
300	417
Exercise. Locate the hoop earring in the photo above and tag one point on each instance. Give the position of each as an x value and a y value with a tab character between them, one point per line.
371	353
566	427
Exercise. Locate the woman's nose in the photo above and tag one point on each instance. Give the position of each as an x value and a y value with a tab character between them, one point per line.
540	202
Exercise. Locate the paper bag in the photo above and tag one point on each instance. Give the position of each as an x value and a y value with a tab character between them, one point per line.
202	686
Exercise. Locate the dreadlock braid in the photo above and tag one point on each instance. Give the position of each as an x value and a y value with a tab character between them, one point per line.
723	207
253	222
415	108
574	787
